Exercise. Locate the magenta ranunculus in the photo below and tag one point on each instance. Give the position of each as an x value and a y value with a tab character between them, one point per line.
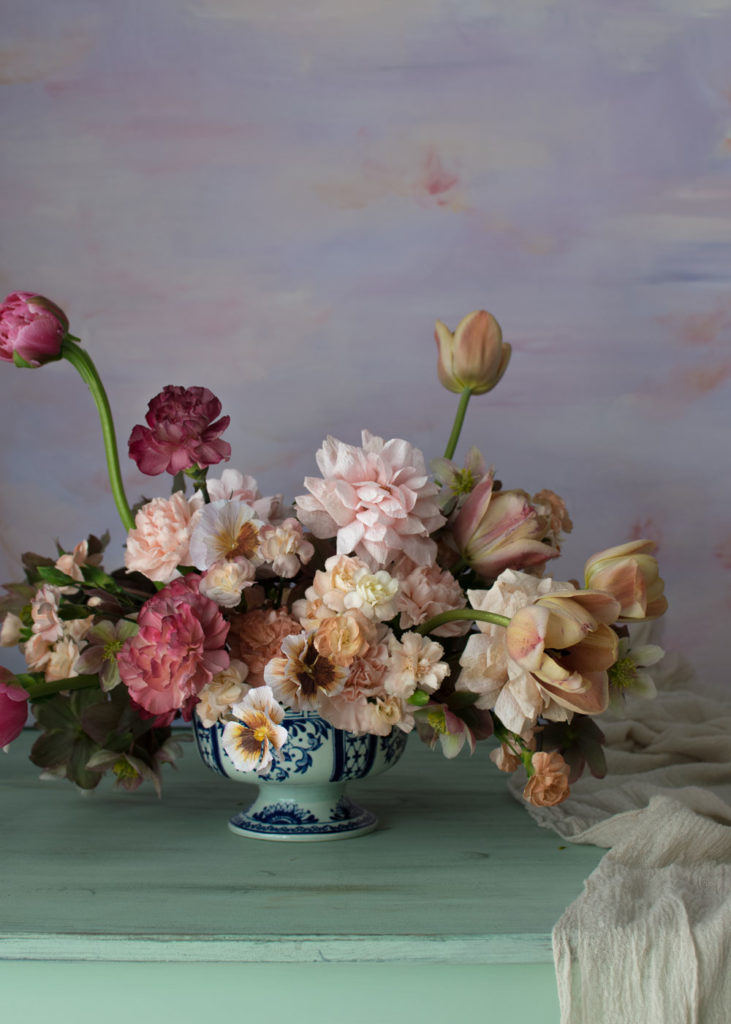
182	431
178	649
32	329
13	708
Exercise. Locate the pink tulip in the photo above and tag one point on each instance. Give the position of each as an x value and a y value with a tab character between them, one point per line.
629	573
475	356
32	329
13	708
496	530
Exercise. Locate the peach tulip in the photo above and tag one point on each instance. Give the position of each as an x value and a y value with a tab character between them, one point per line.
496	530
565	641
474	357
629	573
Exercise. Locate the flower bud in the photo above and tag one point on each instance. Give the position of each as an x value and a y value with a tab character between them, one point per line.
475	356
630	574
32	329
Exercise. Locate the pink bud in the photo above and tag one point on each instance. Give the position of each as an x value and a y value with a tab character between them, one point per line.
13	708
32	329
475	356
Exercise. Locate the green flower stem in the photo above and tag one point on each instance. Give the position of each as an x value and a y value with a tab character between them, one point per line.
50	689
455	614
82	362
458	421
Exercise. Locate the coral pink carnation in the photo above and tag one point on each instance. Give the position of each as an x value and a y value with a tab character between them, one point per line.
180	432
178	649
160	539
377	500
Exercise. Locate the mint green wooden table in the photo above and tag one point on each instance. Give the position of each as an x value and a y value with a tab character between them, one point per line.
118	907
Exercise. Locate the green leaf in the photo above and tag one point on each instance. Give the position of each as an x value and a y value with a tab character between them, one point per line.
52	749
101	720
50	574
57	714
76	769
98	578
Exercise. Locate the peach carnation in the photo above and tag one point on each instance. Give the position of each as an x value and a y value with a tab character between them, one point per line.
549	784
342	638
377	500
256	637
234	485
285	547
160	539
415	663
225	689
425	591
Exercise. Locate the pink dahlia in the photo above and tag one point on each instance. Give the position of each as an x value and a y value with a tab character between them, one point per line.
182	431
377	500
178	649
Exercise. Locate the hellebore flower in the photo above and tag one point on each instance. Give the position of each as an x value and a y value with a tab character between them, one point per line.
32	329
13	708
474	357
629	573
496	530
565	641
180	432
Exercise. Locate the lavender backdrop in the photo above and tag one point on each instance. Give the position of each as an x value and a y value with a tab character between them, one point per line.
276	200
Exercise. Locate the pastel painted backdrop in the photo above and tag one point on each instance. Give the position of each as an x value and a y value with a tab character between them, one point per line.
277	199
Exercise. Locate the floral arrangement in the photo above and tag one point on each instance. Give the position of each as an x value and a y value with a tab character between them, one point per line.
385	597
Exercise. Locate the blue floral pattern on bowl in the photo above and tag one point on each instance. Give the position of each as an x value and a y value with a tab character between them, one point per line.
301	795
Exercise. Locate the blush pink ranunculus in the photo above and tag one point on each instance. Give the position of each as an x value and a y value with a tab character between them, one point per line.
377	500
13	708
32	329
182	431
178	649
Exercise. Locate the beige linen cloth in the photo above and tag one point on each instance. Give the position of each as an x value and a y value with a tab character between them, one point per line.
649	939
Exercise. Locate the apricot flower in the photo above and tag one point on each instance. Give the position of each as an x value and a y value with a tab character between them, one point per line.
629	572
475	356
549	783
565	641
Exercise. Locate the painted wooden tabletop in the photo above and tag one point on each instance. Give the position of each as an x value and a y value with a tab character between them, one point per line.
457	873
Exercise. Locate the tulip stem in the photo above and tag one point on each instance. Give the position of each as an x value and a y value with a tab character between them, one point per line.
455	614
51	688
458	421
82	362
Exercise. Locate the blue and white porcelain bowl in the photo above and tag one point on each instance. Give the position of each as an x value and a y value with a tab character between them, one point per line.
302	794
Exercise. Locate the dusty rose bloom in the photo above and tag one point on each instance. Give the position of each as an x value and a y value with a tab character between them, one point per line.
178	649
342	638
180	432
160	539
425	591
301	675
256	637
285	547
549	785
377	500
553	513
